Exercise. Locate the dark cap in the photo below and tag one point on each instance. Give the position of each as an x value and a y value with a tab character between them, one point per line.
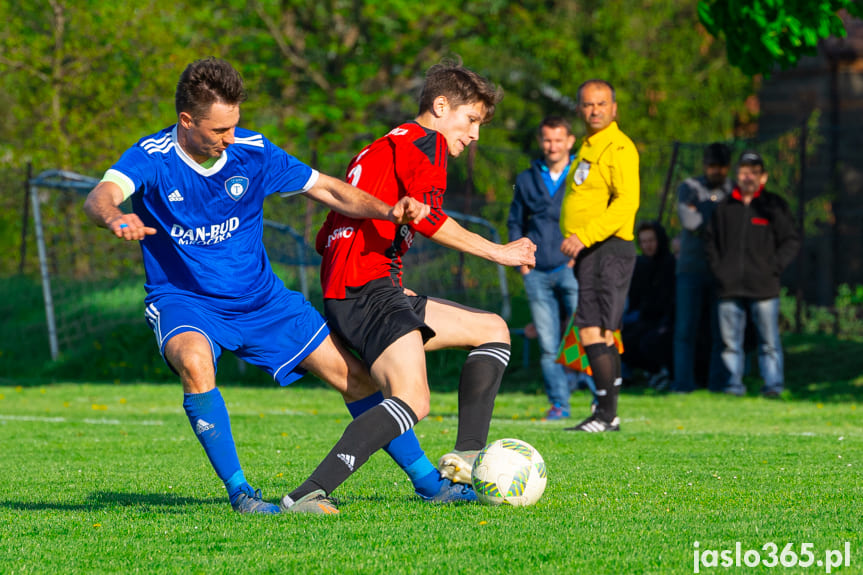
751	159
717	154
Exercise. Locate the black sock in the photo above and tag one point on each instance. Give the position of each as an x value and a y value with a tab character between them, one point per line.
605	364
362	437
480	379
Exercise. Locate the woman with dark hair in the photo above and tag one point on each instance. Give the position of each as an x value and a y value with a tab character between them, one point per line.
648	323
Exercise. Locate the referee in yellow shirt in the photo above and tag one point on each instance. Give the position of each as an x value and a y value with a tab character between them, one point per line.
597	218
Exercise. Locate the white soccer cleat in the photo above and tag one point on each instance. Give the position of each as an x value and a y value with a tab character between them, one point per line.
456	465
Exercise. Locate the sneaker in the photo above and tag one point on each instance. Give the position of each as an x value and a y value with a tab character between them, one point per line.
315	502
456	465
253	503
555	413
660	380
450	493
594	424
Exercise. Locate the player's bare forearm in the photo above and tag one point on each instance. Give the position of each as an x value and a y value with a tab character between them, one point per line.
101	204
518	253
355	203
101	208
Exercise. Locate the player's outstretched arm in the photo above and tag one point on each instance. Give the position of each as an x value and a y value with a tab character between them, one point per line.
355	203
101	208
518	253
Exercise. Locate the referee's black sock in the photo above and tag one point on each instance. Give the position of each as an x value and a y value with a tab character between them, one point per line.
362	437
605	364
480	379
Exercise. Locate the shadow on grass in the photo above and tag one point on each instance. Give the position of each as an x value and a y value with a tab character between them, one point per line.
818	367
98	500
823	368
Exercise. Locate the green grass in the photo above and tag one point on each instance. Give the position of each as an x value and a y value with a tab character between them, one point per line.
109	478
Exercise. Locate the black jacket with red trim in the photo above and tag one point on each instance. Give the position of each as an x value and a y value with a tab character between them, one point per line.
748	246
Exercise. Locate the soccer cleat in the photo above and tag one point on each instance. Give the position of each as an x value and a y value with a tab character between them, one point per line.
456	465
594	424
451	492
253	503
315	502
555	413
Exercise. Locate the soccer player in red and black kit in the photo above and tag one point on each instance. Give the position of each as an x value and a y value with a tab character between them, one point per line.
391	327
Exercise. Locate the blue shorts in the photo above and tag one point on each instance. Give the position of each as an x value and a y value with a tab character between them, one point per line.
276	336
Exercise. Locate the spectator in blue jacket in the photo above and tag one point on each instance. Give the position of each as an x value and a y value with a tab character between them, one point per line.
551	286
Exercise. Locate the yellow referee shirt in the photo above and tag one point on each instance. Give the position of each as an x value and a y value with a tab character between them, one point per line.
603	191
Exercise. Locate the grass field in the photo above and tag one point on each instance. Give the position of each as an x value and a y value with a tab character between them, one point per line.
110	478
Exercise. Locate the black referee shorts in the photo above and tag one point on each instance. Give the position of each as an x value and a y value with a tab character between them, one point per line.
374	316
604	271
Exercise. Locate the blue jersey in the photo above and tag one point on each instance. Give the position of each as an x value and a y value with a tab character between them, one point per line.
209	221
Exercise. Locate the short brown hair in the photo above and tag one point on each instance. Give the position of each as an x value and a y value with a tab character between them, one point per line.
205	82
597	82
460	86
555	122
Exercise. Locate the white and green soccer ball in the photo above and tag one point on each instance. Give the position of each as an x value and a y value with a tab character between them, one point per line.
509	472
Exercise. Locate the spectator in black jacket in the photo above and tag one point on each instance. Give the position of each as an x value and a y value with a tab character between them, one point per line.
751	238
649	320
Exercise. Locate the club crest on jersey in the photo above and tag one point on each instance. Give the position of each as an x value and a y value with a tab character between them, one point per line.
581	172
236	187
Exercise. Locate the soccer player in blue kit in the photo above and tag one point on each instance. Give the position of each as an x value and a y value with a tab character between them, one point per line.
197	191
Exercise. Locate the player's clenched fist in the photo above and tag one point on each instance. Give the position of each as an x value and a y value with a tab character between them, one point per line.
408	210
521	252
130	227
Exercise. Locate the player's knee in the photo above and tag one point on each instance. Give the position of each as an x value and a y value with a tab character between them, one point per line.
497	331
359	384
419	404
195	366
421	409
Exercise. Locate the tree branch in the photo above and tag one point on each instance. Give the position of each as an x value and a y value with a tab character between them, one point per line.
288	52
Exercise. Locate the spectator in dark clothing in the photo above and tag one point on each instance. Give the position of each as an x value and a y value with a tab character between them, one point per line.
648	324
696	327
751	238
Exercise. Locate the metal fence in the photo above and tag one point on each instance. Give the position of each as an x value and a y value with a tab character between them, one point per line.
93	284
819	171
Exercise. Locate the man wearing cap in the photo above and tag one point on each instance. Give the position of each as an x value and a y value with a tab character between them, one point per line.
697	197
750	239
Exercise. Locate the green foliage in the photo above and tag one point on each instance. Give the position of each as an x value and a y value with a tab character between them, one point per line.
761	34
846	314
84	81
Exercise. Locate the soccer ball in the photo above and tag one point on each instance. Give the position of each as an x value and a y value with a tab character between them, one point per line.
509	471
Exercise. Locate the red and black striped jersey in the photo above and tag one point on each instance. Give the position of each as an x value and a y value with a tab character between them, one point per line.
410	160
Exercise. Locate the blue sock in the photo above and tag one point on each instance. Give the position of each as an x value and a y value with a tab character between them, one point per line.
209	418
405	450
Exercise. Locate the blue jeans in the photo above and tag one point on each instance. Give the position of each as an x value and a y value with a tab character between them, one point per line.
692	291
549	293
732	326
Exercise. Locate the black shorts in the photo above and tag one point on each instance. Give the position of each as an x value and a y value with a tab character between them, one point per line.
374	316
604	271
